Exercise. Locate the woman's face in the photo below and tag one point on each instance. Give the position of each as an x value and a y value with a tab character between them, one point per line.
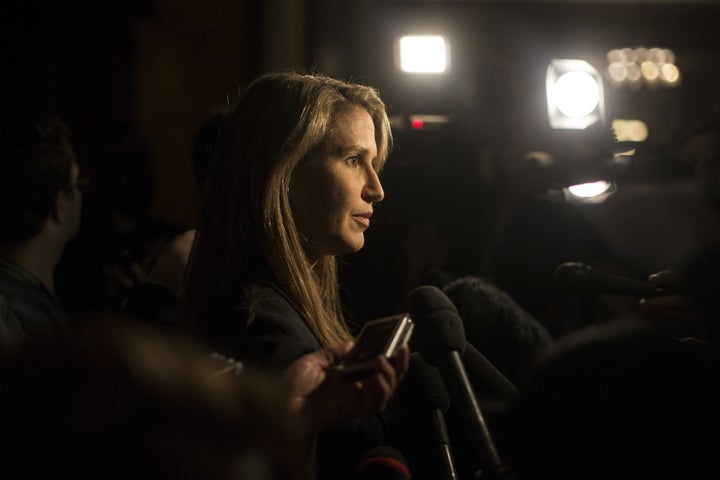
332	195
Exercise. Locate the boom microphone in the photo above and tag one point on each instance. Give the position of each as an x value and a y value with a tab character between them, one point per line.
580	278
440	339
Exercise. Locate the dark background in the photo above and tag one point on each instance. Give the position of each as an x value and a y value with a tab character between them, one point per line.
164	65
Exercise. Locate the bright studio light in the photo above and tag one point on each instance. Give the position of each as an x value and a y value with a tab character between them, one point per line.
423	54
592	192
574	94
588	190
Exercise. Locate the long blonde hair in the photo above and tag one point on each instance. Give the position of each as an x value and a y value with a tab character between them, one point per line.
246	232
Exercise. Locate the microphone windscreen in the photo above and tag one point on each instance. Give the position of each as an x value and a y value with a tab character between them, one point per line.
426	386
383	463
438	327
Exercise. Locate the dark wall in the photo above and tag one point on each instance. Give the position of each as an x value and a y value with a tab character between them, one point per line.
158	66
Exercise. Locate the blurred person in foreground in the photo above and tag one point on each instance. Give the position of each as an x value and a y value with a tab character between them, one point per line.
115	399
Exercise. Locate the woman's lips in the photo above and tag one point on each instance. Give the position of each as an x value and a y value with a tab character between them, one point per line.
363	219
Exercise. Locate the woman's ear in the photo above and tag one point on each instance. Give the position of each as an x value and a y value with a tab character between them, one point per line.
60	207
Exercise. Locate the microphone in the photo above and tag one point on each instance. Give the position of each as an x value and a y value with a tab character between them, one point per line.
433	397
440	339
581	278
480	369
383	463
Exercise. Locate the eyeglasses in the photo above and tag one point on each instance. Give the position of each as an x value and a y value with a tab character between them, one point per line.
81	184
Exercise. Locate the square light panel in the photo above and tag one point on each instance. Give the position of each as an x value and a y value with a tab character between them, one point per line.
423	54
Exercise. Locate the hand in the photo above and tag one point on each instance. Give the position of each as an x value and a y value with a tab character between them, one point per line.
670	280
121	279
325	397
674	312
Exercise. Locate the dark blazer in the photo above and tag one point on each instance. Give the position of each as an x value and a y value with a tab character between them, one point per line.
271	334
272	337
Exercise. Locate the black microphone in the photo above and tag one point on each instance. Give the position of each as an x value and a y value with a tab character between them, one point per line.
480	369
425	380
383	463
581	278
440	338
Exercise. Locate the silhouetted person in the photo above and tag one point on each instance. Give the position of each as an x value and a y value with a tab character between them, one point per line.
697	147
617	401
40	211
120	235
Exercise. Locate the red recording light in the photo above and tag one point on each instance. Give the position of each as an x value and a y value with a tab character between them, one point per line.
418	124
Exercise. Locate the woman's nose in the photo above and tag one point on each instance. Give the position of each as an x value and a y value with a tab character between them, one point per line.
373	191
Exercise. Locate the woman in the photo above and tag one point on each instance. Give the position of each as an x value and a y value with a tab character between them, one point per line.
292	186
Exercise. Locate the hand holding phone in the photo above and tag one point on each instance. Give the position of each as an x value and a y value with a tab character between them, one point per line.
381	337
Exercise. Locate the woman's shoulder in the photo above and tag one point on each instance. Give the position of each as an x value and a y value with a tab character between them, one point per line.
268	302
268	330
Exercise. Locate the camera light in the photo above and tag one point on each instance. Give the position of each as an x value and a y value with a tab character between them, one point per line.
423	54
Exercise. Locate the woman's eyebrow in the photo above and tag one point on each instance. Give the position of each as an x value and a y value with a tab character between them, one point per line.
347	149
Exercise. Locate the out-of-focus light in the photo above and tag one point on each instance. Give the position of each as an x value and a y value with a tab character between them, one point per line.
615	56
650	71
574	94
670	73
656	55
629	55
423	54
540	158
652	67
669	56
634	72
591	189
618	72
630	130
593	192
428	121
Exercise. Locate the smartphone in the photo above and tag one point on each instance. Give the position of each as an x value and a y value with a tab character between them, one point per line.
384	336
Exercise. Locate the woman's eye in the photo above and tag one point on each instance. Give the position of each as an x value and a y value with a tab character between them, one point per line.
353	161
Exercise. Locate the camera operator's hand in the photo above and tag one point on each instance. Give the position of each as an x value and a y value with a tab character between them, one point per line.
325	397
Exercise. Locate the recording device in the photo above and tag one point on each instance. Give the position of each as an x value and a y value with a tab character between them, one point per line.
381	337
581	278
